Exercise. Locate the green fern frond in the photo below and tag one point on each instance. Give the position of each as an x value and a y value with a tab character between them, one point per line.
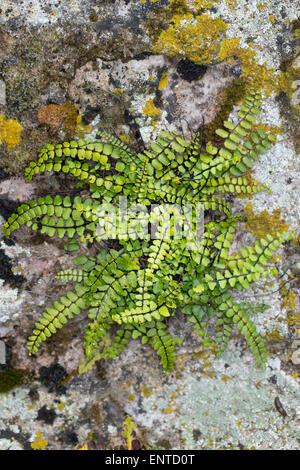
130	291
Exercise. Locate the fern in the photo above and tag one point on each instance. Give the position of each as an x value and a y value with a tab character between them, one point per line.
130	291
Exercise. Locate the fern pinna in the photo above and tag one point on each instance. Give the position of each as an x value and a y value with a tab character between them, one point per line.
129	291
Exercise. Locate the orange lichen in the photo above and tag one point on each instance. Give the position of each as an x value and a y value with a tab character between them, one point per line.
259	225
10	131
55	116
39	442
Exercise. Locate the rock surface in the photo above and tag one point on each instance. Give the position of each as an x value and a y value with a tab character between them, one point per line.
66	69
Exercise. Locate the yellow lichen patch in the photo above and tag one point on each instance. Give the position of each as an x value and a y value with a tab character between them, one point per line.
60	406
172	407
295	375
273	336
272	19
119	92
258	76
294	319
225	378
259	225
146	391
125	138
199	5
128	427
83	446
10	131
232	4
152	111
163	81
197	36
261	6
39	442
31	407
194	37
288	299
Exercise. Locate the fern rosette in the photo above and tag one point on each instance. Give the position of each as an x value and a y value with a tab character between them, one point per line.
130	291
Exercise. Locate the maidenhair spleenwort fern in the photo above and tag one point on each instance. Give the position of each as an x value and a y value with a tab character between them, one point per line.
129	291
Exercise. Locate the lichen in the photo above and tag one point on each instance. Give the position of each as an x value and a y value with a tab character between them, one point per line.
197	35
10	131
263	223
257	75
273	336
164	80
39	443
56	115
150	110
196	38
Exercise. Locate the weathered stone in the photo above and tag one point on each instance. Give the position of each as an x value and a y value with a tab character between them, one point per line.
96	59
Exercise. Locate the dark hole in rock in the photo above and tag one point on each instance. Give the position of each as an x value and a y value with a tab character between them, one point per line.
190	71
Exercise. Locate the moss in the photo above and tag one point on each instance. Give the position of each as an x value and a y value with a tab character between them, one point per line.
263	223
273	337
11	378
16	158
21	94
226	100
93	17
